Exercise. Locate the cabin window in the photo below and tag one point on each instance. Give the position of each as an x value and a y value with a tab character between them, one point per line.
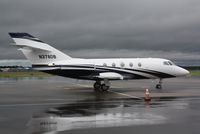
104	64
122	64
113	64
131	64
139	64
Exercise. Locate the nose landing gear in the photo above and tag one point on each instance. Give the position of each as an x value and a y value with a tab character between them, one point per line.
159	85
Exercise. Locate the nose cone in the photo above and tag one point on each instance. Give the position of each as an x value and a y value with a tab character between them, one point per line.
182	72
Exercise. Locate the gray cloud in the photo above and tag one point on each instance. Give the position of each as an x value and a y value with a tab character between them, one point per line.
133	53
142	27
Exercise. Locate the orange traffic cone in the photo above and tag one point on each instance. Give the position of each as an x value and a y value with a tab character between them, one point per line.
147	95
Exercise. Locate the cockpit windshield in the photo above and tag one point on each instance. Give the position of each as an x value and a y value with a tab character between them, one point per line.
168	63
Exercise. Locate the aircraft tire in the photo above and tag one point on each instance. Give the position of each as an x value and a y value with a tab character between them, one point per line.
104	87
97	86
158	86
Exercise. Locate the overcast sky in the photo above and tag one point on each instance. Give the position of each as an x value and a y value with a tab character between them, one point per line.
105	28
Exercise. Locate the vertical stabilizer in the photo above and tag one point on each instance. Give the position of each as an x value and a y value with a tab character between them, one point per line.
36	50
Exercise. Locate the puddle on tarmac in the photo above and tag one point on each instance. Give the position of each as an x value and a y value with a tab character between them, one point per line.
101	113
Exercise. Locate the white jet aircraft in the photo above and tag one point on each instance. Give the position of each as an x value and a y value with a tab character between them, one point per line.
50	60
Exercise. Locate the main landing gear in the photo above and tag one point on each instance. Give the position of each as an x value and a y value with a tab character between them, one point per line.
98	86
159	85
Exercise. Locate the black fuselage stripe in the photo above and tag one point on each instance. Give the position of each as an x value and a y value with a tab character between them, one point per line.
113	69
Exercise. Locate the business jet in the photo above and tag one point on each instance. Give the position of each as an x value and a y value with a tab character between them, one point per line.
45	58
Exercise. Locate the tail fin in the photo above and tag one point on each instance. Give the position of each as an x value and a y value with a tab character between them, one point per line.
36	50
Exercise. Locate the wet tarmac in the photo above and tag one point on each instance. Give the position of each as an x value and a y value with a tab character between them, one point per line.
58	105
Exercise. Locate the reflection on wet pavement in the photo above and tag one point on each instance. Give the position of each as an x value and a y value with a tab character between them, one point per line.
99	113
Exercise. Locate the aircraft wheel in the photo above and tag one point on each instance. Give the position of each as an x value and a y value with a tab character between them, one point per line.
104	87
97	86
158	86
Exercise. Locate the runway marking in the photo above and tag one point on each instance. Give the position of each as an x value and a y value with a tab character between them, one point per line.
58	99
83	85
127	95
67	88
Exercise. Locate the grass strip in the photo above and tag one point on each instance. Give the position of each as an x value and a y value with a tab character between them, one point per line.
195	72
23	74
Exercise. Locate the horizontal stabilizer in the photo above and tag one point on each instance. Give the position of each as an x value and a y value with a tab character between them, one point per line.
24	36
